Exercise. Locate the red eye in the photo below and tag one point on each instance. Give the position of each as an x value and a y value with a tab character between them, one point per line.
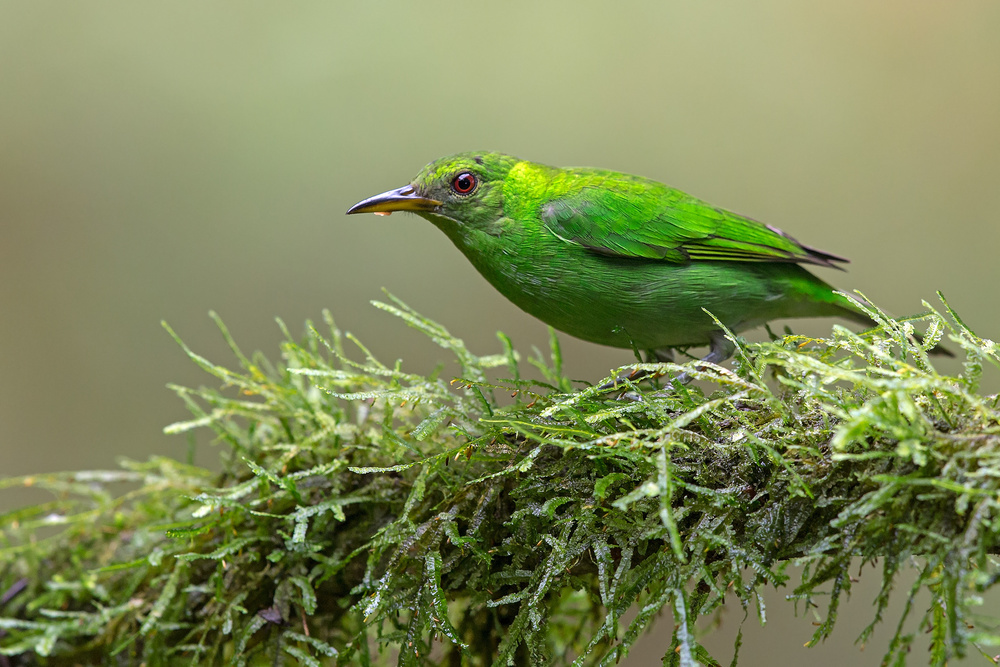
464	183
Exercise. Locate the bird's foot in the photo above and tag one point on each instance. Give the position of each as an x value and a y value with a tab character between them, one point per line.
720	349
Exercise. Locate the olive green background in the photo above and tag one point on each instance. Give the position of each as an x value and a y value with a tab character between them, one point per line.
161	160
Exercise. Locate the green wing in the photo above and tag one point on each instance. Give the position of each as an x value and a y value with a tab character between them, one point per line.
633	217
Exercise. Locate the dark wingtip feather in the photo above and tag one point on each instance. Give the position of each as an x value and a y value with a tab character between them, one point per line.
823	258
812	255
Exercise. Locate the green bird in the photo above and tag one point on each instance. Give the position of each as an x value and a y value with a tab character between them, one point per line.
617	259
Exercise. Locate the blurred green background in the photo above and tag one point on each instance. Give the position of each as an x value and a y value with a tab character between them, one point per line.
161	160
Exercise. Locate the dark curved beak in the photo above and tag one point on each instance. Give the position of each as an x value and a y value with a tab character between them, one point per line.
400	199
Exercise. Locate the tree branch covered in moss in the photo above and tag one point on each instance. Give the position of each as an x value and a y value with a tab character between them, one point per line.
367	515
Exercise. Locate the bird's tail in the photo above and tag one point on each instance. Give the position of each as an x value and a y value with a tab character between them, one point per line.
849	308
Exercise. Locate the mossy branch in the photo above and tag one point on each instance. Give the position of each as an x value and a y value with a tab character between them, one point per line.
366	515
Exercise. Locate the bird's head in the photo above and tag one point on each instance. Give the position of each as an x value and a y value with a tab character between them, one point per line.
459	191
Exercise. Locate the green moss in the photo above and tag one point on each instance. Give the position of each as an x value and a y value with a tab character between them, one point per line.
367	515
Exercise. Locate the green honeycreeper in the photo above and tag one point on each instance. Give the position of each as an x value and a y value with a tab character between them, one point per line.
617	259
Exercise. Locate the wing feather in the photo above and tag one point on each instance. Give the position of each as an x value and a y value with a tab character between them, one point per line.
634	217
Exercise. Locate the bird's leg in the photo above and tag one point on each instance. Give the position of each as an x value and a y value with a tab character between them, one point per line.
720	349
664	354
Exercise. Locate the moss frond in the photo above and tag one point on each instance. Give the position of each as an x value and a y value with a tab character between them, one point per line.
368	515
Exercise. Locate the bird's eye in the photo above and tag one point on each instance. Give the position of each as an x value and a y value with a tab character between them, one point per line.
464	183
